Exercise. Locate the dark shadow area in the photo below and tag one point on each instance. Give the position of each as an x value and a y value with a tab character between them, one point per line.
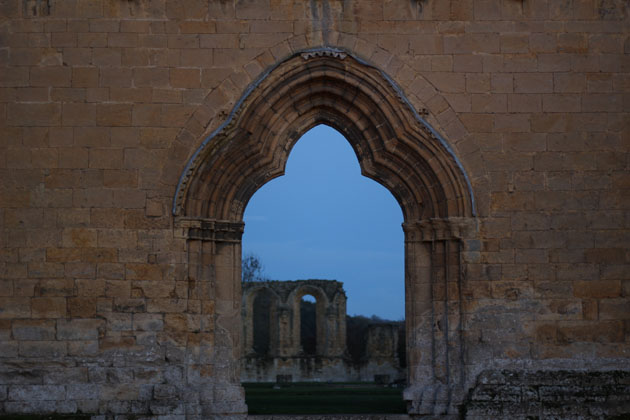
308	327
262	322
314	398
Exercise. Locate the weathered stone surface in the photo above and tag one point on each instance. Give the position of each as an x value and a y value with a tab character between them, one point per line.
103	103
79	329
33	330
37	392
549	393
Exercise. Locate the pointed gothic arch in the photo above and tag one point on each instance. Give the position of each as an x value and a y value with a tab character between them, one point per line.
394	146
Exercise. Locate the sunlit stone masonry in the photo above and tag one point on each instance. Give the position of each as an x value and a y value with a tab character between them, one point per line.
134	132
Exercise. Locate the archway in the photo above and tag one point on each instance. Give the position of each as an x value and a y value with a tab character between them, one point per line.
395	147
308	325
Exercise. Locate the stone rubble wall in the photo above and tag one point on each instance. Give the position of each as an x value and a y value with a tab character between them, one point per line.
549	394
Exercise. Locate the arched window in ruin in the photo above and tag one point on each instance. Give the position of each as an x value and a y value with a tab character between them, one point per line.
308	324
264	322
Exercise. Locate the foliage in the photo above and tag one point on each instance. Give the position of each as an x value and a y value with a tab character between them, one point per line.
252	269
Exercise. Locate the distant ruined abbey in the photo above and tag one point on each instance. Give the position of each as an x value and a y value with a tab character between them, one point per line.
276	349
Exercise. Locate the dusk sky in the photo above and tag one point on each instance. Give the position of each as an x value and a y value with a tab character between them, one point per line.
324	220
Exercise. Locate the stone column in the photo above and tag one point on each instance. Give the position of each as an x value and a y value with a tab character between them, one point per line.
335	343
212	357
433	315
286	347
247	316
274	339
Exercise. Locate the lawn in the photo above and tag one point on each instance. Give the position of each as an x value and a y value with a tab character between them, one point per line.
323	398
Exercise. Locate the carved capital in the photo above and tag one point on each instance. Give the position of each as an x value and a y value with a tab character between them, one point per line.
210	230
440	229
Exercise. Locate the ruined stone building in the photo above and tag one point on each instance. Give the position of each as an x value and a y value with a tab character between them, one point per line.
134	132
281	354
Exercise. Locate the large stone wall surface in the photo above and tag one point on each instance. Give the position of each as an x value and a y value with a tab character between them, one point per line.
111	305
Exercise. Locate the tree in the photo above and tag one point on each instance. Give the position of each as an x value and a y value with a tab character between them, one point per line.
252	269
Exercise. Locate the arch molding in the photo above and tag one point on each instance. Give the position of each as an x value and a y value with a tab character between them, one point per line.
394	146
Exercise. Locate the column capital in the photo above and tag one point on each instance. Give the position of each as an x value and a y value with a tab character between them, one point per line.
210	230
440	229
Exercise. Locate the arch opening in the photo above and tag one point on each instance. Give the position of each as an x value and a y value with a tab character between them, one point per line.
395	147
324	220
308	325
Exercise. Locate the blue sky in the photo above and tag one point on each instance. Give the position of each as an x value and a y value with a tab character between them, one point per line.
324	220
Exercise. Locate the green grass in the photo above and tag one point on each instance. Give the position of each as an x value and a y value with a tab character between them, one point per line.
44	416
323	398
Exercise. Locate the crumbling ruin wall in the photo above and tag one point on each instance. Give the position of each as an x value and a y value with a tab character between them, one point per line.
133	134
285	359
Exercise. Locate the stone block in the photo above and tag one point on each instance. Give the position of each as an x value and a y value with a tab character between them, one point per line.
48	307
78	115
42	349
83	348
590	332
465	43
148	322
50	76
165	392
15	307
8	349
119	392
614	309
79	329
129	305
105	158
598	289
533	82
30	406
55	375
82	391
113	115
143	272
185	78
151	77
79	237
33	330
557	309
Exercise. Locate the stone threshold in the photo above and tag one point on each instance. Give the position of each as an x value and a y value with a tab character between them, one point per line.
330	417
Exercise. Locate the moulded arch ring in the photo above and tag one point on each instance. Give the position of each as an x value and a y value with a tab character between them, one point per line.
394	144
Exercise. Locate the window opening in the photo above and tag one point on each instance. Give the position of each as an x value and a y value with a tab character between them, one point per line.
308	325
312	229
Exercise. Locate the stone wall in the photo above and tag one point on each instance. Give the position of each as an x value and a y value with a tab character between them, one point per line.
133	133
549	394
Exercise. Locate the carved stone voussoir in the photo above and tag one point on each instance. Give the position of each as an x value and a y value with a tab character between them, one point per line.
324	52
